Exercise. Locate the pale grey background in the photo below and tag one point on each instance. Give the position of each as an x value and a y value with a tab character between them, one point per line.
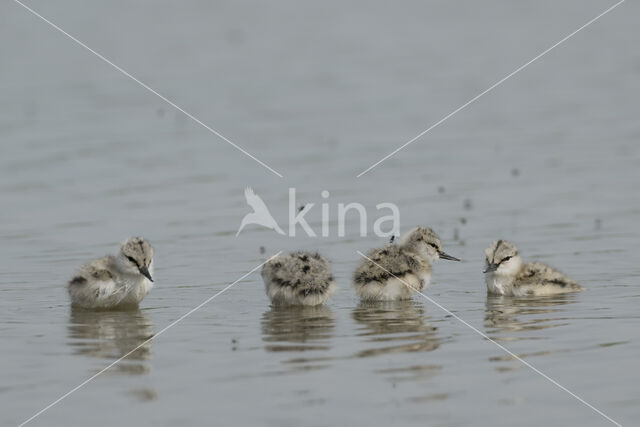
319	90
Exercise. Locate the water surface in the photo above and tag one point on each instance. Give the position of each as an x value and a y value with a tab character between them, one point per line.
550	160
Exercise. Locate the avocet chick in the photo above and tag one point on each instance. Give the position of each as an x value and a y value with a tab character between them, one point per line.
507	274
394	272
115	281
300	278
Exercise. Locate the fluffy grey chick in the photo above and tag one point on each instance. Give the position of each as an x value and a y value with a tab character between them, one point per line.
394	272
115	281
507	274
300	278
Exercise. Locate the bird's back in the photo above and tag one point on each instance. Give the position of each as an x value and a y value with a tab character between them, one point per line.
385	263
537	278
96	284
300	277
391	273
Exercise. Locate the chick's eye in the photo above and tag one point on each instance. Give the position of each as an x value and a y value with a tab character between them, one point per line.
132	260
433	245
506	258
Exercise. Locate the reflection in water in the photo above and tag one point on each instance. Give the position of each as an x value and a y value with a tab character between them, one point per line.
402	323
110	335
507	315
299	329
399	327
515	319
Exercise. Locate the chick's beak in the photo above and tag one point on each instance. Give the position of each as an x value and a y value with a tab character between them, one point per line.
491	267
145	272
447	256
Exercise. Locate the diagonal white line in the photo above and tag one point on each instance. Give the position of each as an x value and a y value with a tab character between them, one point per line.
166	328
503	348
147	87
489	89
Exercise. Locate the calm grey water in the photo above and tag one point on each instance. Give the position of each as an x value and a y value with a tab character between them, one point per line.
319	91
